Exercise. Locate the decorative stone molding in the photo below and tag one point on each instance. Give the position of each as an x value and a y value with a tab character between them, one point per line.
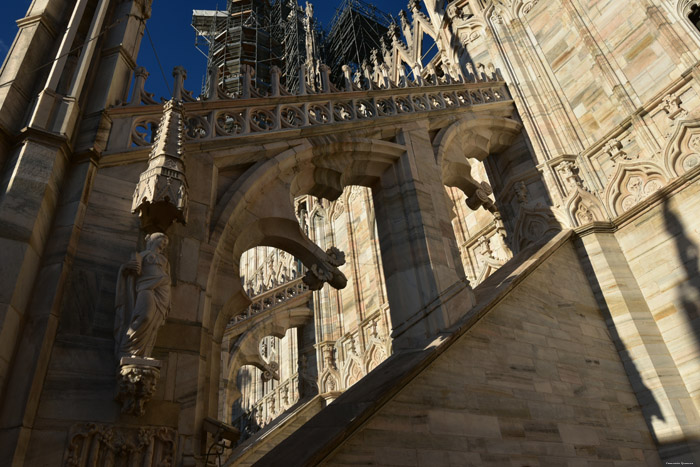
338	208
481	198
568	170
329	384
137	383
92	444
631	185
497	17
552	186
133	126
527	6
672	107
613	149
533	224
329	357
584	213
271	372
683	7
682	152
271	300
636	189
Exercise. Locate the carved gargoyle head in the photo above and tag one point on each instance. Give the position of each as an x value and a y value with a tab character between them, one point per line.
326	270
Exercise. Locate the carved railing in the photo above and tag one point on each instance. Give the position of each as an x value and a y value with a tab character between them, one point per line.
213	118
269	407
272	298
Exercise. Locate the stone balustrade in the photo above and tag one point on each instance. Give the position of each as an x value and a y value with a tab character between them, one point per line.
271	299
269	407
213	119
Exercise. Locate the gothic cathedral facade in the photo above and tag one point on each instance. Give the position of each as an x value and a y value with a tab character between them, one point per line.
487	257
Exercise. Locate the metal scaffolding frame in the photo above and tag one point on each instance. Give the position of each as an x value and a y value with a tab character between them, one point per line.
239	36
288	29
266	33
355	31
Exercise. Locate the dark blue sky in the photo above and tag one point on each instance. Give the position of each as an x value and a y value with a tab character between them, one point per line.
172	35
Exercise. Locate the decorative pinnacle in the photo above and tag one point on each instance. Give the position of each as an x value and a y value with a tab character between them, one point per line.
160	197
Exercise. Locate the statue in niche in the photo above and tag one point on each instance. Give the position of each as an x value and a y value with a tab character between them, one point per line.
143	298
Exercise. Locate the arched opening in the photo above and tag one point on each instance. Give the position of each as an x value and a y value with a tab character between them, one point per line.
265	394
694	15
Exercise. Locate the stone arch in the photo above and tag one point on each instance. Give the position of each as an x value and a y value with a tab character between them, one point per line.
685	7
244	348
321	167
341	163
582	207
471	137
632	183
683	10
374	356
682	153
248	220
353	373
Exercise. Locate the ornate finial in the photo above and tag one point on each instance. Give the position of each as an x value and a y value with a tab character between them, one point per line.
382	43
414	5
180	75
393	32
160	197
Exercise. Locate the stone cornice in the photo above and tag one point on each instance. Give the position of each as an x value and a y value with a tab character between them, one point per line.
43	136
41	19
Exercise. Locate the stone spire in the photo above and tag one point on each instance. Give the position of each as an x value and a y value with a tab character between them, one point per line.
160	197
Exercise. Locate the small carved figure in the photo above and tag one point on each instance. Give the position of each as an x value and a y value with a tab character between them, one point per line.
143	298
521	193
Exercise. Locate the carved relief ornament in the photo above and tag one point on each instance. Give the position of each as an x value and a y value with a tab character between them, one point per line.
93	444
631	184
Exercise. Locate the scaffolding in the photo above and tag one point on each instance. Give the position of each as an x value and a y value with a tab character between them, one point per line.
355	31
288	29
239	36
280	33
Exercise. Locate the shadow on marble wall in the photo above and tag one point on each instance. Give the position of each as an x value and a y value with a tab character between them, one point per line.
650	406
687	252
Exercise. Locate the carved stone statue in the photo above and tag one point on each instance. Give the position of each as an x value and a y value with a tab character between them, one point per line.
143	299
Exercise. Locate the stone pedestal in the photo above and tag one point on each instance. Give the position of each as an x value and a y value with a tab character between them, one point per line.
137	380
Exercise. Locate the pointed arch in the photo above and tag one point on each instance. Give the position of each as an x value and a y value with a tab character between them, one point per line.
471	137
682	152
244	350
631	184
